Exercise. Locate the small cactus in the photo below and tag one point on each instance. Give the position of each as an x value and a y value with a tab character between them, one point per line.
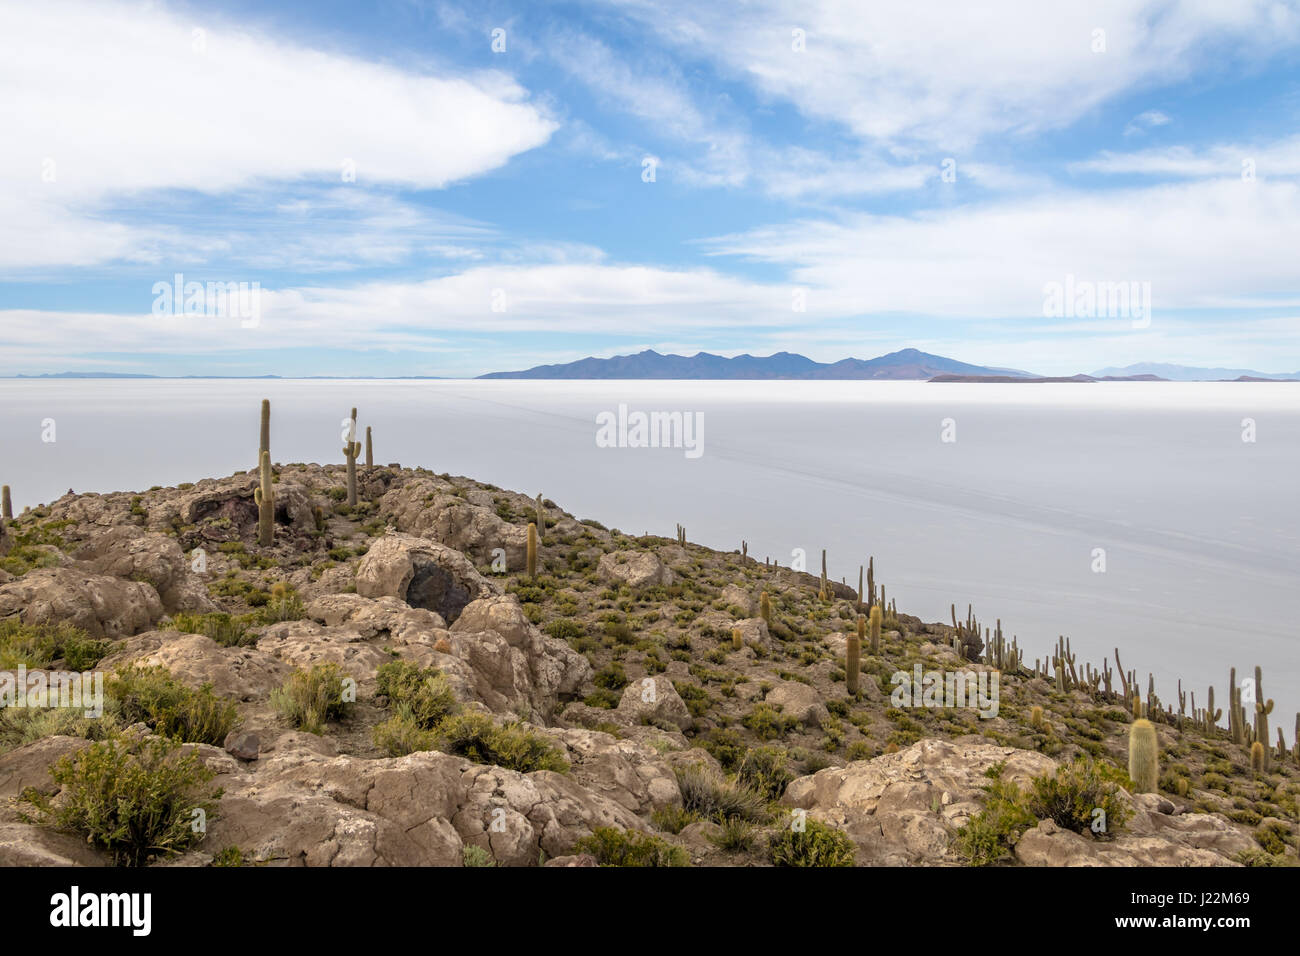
737	639
765	608
1036	717
264	495
532	550
1143	756
853	657
1258	757
6	504
875	630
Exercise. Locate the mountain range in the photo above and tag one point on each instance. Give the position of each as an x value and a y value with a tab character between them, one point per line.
904	365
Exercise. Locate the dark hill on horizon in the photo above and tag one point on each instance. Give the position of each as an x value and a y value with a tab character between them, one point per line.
903	365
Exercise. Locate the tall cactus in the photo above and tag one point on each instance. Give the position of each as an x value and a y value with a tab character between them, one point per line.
541	516
853	657
6	504
531	551
824	592
1143	756
875	630
1262	709
370	452
264	495
765	608
264	445
350	451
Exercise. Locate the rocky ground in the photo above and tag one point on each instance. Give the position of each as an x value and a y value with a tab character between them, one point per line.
643	662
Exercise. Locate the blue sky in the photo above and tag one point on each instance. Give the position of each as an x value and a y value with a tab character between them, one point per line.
411	201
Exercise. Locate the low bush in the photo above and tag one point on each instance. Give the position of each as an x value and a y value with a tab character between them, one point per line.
614	847
135	799
815	844
311	698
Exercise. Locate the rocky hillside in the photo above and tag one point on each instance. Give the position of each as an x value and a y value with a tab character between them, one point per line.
386	683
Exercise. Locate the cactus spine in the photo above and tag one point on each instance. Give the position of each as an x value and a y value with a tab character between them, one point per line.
532	550
264	495
875	630
1143	756
853	657
6	504
370	452
350	451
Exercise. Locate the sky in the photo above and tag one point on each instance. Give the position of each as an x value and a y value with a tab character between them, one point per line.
441	188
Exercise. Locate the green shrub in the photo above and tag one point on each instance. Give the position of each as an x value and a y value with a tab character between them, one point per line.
564	629
475	736
673	819
990	835
476	856
134	799
614	847
23	725
284	604
817	844
172	709
401	734
706	794
221	627
765	770
311	698
43	645
424	694
768	723
1071	797
736	836
611	677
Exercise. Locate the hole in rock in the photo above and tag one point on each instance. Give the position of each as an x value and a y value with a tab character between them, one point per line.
434	589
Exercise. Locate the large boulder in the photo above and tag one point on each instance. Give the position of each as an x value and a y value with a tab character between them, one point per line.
422	573
799	701
101	605
427	507
636	569
655	699
512	662
156	558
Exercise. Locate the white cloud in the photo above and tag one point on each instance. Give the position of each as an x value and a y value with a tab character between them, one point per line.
907	72
1225	160
1145	121
104	100
1197	243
